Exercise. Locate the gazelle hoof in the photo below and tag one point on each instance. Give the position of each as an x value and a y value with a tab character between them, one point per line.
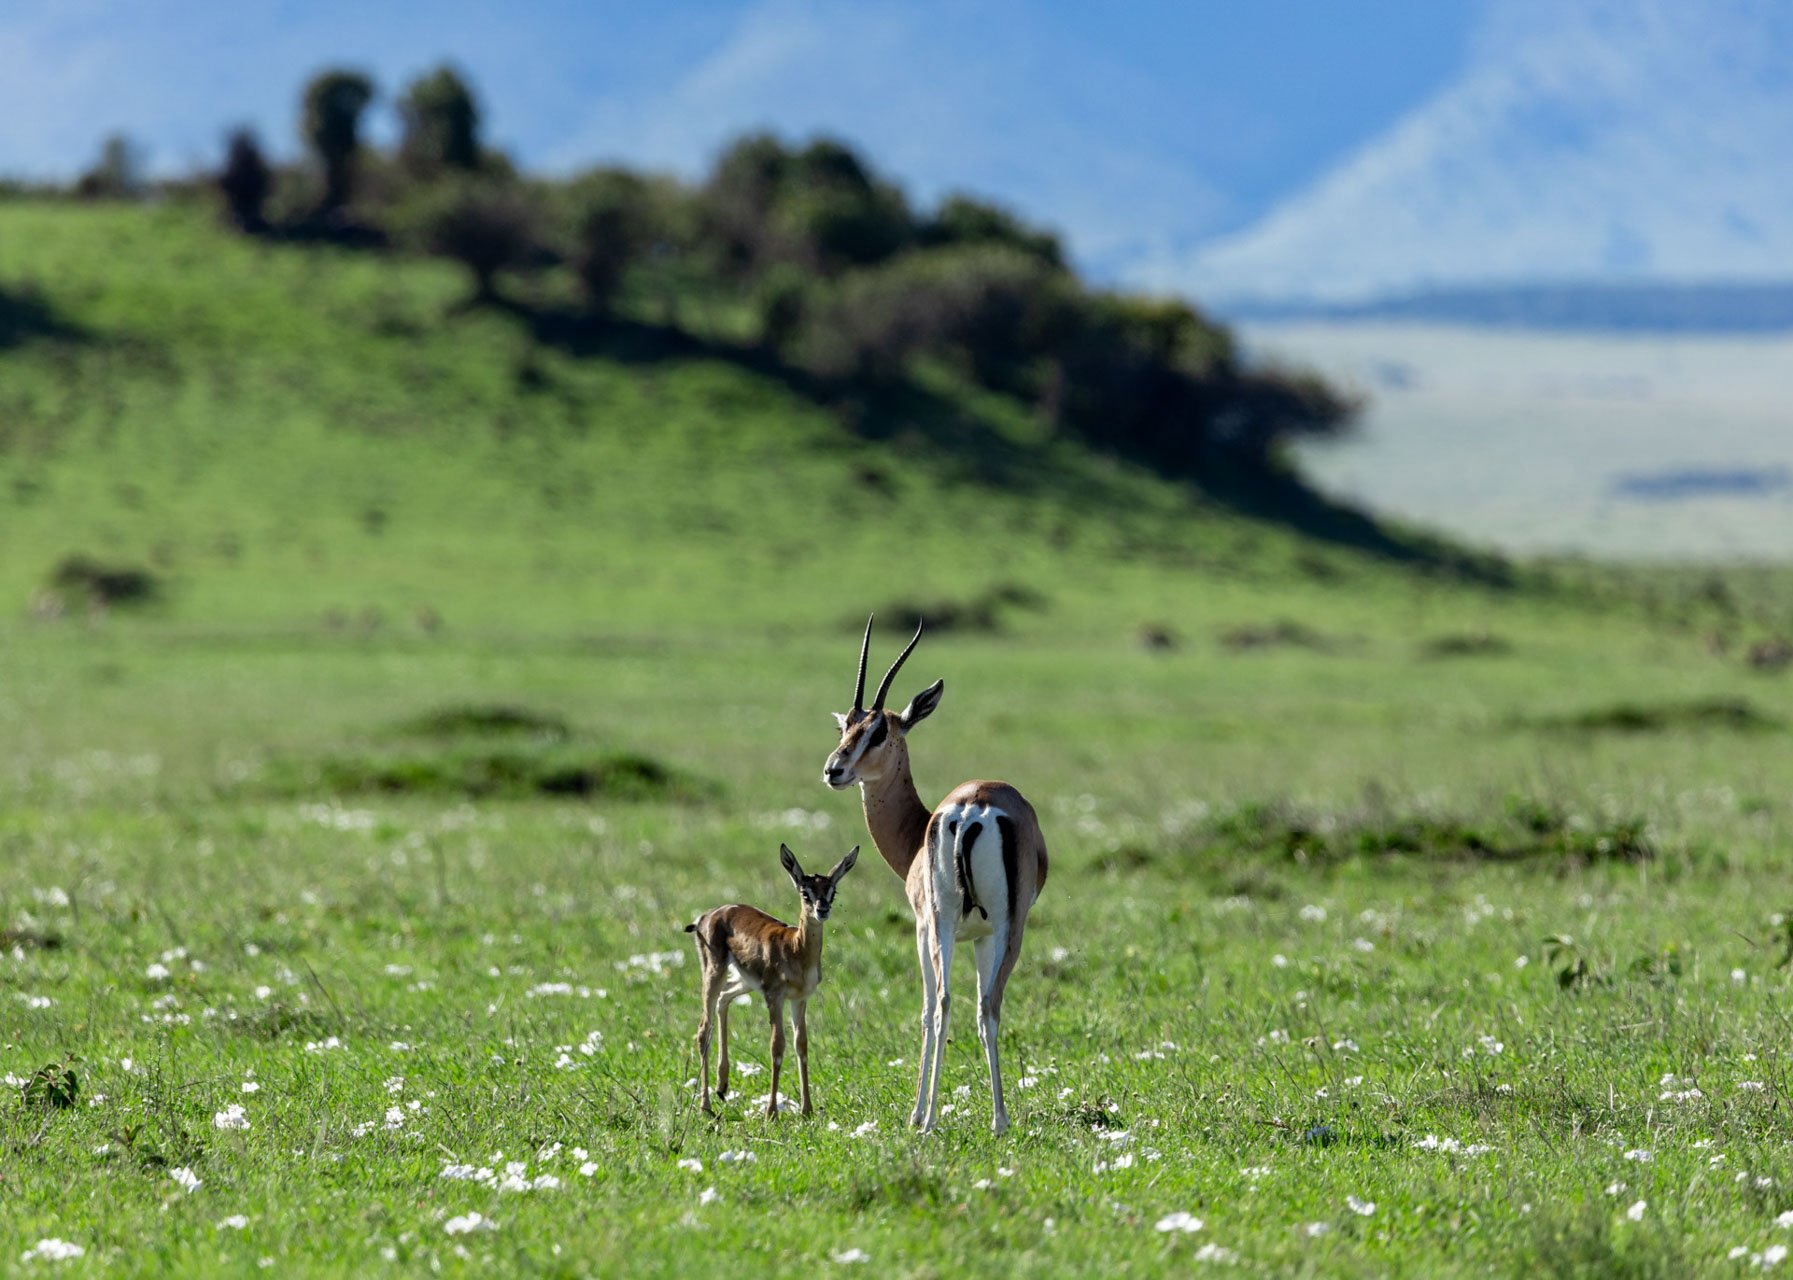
1000	1125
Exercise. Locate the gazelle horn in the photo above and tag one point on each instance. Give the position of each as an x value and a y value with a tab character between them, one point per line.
865	647
884	688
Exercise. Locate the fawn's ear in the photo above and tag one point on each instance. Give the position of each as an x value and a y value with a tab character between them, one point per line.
921	706
844	865
840	718
788	860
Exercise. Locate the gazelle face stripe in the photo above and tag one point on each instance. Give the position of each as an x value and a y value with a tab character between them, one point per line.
867	737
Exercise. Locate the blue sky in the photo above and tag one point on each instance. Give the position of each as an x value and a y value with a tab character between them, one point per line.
1147	125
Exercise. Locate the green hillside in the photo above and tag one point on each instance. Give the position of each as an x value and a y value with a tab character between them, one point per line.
284	430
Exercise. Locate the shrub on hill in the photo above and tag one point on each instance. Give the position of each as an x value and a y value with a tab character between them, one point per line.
961	219
333	106
486	226
116	175
617	216
819	207
439	118
246	181
988	308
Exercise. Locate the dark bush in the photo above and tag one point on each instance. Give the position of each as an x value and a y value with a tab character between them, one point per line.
820	208
116	175
1737	714
477	771
783	301
963	220
334	103
480	720
439	119
616	219
993	310
245	181
486	226
82	579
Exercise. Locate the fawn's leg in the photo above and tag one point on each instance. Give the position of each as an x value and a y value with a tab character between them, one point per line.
712	993
800	1019
728	998
775	1006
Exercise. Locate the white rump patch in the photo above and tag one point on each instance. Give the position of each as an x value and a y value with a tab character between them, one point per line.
989	880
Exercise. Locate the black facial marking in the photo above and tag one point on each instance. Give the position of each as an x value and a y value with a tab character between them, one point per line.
879	731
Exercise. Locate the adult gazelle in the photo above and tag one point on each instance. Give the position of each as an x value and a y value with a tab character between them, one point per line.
972	868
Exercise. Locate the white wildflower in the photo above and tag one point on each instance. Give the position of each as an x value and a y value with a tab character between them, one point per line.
1363	1208
851	1255
468	1222
185	1178
1636	1211
232	1117
50	1249
1181	1220
236	1222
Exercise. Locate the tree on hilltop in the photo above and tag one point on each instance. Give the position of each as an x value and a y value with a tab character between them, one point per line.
486	225
246	180
440	121
334	103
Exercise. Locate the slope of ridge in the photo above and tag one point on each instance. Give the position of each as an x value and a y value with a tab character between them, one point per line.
1588	142
291	433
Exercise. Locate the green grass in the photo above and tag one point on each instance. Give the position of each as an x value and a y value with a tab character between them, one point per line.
1313	904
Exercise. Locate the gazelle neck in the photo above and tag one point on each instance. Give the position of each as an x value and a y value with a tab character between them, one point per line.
894	814
809	936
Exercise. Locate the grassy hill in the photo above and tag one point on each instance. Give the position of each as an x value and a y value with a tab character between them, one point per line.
475	663
284	430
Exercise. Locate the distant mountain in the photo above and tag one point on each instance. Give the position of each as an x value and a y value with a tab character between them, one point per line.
1655	308
1643	142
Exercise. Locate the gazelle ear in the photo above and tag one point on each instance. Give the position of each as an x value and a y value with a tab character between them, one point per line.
788	861
844	865
840	719
922	705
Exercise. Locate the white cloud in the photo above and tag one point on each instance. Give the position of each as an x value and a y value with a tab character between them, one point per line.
1586	140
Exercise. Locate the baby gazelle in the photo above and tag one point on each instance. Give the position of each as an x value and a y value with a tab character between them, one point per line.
743	949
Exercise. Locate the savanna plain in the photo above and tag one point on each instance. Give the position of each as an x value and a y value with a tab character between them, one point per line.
1398	923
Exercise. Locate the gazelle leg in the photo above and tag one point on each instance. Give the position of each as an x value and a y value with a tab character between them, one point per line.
712	992
989	952
775	1007
925	950
728	998
943	1000
800	1020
